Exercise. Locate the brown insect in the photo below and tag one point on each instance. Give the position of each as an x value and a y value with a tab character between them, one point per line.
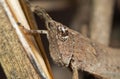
69	48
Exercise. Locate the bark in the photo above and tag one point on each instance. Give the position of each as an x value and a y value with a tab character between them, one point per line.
101	20
13	57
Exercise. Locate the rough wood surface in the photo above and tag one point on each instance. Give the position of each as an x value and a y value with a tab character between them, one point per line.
13	57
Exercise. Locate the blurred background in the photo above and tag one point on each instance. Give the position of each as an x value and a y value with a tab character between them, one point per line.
86	16
98	20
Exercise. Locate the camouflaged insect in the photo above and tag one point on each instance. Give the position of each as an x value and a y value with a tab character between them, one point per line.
69	48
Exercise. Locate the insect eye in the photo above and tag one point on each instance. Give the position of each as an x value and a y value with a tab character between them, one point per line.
49	25
62	33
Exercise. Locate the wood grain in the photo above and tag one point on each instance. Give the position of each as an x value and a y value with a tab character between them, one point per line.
13	57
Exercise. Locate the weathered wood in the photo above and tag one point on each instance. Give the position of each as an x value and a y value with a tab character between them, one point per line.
13	57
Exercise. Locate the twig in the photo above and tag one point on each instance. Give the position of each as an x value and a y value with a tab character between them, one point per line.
16	15
13	57
101	21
